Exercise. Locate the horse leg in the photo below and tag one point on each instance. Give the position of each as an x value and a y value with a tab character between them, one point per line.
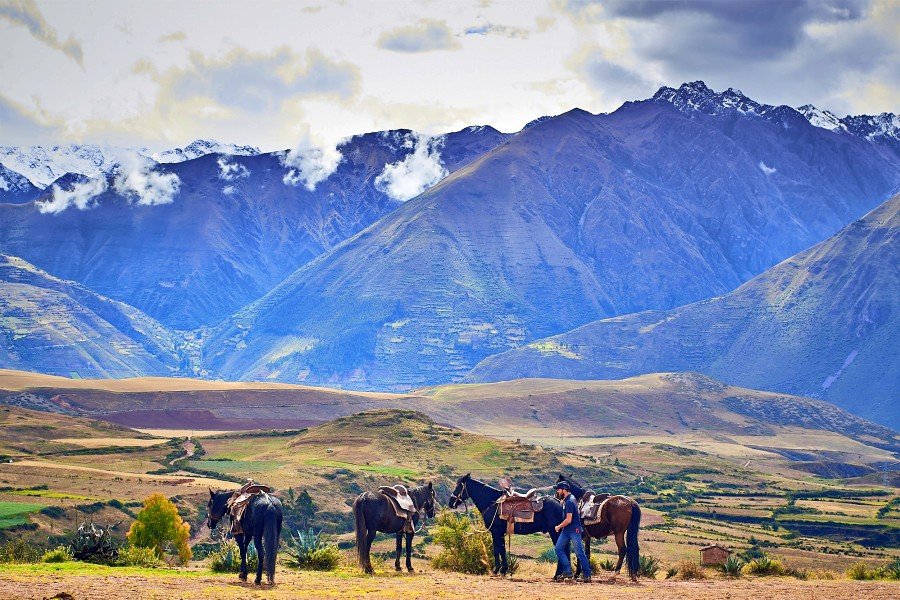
409	539
587	550
620	543
260	555
242	546
399	550
370	537
496	543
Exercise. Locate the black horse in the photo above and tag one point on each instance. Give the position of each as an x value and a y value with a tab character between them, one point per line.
620	517
374	512
261	522
485	499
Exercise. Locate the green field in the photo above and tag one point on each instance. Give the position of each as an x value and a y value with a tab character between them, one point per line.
15	513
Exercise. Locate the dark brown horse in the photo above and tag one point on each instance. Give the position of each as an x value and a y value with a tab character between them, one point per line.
373	513
620	517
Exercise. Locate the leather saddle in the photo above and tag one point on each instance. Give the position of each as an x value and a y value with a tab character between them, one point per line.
404	506
591	507
239	501
515	507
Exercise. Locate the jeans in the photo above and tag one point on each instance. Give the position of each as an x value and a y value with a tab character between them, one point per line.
562	552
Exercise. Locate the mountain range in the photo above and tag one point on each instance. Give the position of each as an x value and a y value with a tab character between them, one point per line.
578	217
410	259
823	323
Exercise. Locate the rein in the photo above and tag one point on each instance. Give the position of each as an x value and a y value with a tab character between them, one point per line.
469	511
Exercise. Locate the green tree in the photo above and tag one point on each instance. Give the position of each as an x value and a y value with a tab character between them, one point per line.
159	526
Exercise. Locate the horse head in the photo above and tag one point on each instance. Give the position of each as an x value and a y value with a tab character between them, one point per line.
216	508
430	500
460	493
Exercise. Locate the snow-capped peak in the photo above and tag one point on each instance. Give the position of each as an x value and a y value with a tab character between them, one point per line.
43	165
821	118
697	96
883	127
199	148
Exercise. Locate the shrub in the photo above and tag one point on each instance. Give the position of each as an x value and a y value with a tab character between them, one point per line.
135	556
159	526
688	569
764	566
60	554
861	571
649	566
512	564
547	556
306	550
892	570
19	551
798	573
227	559
671	572
732	566
607	564
465	548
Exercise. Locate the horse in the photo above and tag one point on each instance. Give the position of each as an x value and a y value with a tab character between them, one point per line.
485	499
619	516
374	512
261	522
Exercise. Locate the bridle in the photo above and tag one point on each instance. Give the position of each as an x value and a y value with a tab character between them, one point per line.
458	497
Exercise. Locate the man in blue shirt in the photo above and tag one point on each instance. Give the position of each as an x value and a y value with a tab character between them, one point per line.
570	531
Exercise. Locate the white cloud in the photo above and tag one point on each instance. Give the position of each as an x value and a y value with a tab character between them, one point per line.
425	36
417	172
4	185
231	171
309	163
765	168
229	190
26	14
137	180
82	195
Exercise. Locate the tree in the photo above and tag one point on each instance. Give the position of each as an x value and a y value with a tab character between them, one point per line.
159	526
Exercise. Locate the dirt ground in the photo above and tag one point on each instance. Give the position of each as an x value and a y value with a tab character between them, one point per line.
20	584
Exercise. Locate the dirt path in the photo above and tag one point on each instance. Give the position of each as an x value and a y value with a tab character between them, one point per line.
344	584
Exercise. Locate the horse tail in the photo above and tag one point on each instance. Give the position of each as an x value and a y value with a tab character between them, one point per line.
271	536
361	532
632	552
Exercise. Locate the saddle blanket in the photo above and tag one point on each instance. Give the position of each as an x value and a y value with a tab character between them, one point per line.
239	501
403	504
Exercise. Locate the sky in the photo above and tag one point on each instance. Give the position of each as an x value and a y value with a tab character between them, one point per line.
281	75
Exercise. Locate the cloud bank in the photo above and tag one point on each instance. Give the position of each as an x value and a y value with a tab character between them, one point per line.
135	179
418	171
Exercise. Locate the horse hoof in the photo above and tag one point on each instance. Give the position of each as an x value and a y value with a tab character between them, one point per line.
242	577
410	570
398	569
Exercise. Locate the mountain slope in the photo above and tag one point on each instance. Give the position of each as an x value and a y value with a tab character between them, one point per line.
823	323
575	218
233	230
15	188
60	327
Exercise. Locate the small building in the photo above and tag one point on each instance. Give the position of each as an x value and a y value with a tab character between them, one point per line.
713	554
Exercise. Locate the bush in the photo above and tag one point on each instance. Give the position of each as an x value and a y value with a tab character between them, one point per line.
688	569
465	548
307	551
159	526
892	571
547	556
135	556
861	571
60	554
607	564
732	566
512	564
19	551
798	573
227	559
763	567
671	572
649	566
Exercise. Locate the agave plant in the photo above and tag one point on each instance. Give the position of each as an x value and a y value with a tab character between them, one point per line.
732	566
649	566
307	550
607	564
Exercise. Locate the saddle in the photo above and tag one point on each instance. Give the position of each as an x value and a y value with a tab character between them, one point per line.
515	507
239	501
404	506
591	507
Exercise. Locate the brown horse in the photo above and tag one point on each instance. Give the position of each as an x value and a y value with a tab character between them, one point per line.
619	516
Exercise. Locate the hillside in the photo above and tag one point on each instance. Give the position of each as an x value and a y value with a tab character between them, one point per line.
61	327
576	218
823	323
232	230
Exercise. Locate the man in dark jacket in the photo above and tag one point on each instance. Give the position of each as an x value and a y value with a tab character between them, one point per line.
570	531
